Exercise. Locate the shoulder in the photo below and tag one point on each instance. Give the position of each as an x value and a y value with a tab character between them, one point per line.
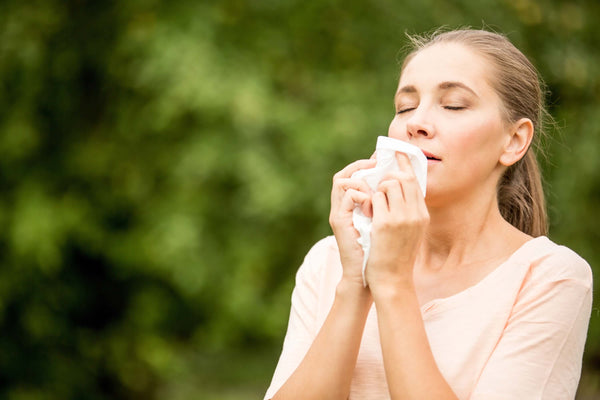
324	246
321	258
322	250
549	261
318	277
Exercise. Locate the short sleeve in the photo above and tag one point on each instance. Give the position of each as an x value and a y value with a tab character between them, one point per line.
539	355
303	323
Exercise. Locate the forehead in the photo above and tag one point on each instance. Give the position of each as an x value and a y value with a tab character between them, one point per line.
447	62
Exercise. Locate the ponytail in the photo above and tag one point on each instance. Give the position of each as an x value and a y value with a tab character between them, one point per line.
521	196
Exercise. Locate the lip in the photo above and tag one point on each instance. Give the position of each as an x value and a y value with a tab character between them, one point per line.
431	157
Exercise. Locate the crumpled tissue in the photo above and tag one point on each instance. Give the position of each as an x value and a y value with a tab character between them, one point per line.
386	162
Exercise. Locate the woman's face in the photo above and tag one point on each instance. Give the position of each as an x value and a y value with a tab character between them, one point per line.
446	106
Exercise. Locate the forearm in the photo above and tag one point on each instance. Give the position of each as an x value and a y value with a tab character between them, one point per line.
326	370
410	367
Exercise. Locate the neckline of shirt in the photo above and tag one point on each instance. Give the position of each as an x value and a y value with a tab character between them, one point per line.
513	259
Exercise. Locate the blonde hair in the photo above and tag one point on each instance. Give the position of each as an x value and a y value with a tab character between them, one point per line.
517	82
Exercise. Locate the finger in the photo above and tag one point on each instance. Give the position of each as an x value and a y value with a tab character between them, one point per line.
409	182
380	204
404	162
412	192
415	192
373	156
353	167
341	186
367	208
409	195
356	184
393	190
399	176
352	198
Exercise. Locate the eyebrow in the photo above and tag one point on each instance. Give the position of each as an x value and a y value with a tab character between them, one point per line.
410	89
406	89
454	85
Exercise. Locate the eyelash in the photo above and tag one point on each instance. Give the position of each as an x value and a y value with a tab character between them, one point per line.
451	108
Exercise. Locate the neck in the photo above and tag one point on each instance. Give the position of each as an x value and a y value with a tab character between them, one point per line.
466	231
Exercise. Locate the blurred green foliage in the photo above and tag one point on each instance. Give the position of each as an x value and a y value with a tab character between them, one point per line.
165	165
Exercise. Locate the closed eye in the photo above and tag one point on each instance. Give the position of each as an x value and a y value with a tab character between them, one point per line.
455	108
404	110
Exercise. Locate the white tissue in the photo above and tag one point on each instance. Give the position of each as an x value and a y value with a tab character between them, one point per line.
386	163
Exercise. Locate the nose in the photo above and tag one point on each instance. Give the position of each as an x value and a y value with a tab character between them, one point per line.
419	124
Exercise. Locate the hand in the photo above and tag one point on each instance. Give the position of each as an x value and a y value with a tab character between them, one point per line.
400	218
345	195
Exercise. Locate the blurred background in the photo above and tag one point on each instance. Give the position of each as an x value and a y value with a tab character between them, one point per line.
165	166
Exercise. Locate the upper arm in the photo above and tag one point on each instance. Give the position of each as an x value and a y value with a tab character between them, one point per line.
302	325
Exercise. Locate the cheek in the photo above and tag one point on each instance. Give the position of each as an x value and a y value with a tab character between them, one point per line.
481	144
484	134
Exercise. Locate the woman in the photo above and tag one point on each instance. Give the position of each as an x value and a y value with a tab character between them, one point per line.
466	297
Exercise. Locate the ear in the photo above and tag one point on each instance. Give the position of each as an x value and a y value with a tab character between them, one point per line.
518	141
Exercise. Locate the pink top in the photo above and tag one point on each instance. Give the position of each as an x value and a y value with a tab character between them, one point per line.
517	334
